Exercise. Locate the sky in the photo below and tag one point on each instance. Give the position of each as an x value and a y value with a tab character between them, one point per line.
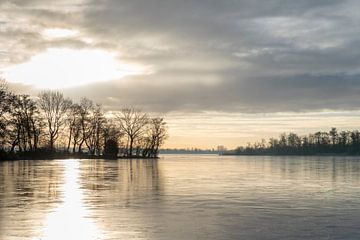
221	72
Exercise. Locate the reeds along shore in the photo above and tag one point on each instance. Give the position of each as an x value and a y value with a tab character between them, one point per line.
53	125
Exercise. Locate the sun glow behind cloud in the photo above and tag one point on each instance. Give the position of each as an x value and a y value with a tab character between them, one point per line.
62	67
51	33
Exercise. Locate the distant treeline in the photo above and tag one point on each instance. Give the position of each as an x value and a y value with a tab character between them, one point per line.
52	125
188	151
319	143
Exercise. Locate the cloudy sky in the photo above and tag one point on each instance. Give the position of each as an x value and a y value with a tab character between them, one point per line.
222	72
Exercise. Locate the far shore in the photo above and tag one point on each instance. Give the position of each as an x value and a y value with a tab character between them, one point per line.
293	155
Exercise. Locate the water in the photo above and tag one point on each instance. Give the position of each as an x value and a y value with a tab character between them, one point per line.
181	197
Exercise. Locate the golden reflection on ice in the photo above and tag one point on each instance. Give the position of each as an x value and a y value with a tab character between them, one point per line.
71	219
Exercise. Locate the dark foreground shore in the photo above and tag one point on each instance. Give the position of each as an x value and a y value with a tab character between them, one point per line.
59	155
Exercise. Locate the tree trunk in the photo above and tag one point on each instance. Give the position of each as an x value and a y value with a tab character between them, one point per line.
69	142
80	146
131	147
52	143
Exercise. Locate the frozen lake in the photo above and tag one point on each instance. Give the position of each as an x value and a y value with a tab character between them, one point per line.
182	197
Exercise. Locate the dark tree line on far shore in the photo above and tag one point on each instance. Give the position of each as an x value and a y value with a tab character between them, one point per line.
332	142
53	124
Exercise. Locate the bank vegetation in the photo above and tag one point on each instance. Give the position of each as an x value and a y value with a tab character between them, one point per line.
51	125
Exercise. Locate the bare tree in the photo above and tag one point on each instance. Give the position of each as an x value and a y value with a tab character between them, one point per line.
159	135
30	122
54	107
89	123
154	137
334	135
26	125
132	122
74	125
4	108
86	106
23	124
96	124
4	104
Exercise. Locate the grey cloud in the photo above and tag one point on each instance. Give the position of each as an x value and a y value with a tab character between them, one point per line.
245	56
267	94
220	29
21	24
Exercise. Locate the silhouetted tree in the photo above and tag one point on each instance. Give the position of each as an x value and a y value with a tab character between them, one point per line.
111	132
28	125
4	110
54	107
157	136
25	123
95	127
133	123
111	148
75	127
332	142
86	106
334	136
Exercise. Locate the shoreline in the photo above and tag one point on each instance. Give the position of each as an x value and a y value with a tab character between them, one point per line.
295	155
61	156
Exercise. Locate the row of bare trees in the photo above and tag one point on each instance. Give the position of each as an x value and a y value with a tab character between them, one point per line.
321	142
55	123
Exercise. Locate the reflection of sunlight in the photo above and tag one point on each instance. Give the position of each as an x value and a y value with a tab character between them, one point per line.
71	220
63	67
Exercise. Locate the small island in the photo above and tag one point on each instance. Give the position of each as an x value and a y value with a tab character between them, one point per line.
52	126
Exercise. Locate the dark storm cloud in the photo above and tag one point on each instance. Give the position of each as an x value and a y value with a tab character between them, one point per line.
246	56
